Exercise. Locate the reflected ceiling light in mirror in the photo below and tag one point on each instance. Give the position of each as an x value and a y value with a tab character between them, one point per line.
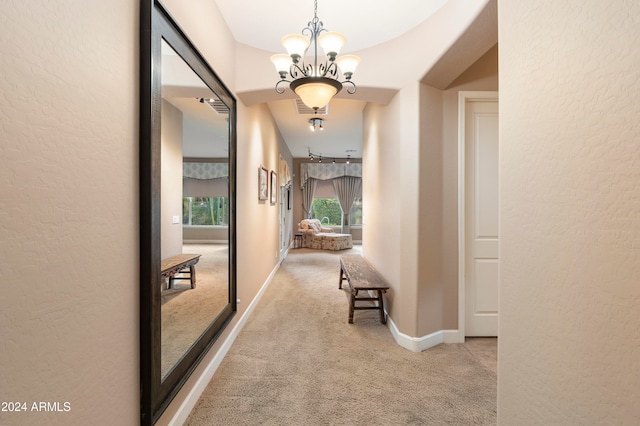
315	124
317	81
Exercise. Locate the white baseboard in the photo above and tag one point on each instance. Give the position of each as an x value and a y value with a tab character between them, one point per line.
194	394
419	344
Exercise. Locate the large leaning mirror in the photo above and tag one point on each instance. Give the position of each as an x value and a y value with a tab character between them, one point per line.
187	205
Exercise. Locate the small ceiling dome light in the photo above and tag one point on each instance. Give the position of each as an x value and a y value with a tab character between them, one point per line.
316	123
317	82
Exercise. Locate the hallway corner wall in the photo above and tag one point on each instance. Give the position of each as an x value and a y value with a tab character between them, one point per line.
570	213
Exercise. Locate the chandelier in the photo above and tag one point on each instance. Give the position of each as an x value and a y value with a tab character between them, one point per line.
318	81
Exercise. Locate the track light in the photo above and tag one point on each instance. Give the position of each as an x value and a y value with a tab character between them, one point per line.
346	160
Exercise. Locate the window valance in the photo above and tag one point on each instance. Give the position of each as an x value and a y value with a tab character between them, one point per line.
325	171
205	171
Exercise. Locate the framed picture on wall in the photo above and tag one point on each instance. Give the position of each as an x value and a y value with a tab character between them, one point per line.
274	186
263	183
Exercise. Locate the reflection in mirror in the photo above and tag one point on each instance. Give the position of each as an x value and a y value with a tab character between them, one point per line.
194	207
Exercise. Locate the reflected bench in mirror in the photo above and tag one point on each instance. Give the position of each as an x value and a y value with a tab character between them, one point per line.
179	267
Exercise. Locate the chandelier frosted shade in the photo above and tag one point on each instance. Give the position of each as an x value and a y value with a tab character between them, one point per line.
348	64
282	62
315	92
296	45
315	80
331	42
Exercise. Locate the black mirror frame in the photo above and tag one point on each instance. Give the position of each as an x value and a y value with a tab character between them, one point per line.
157	24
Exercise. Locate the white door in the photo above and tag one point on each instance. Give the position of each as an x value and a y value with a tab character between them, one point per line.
481	218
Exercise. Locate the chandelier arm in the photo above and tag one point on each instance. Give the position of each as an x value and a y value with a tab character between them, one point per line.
351	90
308	31
331	69
279	90
295	68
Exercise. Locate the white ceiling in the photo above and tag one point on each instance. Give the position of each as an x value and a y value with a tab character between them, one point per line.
365	23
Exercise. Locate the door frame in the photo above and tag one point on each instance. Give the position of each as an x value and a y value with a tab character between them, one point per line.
463	98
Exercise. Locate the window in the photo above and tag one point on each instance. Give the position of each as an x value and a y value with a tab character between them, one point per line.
355	215
328	212
326	207
205	211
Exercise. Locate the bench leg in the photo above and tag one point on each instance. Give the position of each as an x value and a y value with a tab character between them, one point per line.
352	305
342	278
192	273
381	307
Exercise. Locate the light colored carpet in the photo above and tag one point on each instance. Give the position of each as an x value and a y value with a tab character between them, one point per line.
186	312
298	362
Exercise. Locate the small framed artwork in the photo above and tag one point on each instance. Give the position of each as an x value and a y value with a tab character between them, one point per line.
263	183
274	186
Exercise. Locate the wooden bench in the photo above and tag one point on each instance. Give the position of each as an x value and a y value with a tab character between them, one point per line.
180	264
361	276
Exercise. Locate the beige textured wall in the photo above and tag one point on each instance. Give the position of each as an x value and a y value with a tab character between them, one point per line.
170	180
570	213
389	235
69	211
215	234
430	298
